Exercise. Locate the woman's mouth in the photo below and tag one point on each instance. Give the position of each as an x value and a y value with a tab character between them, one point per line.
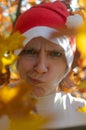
36	81
38	90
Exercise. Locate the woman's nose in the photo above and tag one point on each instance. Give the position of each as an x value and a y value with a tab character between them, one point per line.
41	66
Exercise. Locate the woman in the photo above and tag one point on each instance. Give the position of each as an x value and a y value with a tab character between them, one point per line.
45	61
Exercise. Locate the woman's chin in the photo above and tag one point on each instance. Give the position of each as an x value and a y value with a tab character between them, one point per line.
38	92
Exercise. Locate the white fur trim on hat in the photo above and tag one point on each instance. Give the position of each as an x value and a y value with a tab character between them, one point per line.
74	21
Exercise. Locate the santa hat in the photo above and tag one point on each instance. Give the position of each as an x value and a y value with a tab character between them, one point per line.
42	20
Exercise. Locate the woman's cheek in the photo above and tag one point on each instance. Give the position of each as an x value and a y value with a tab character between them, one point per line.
25	65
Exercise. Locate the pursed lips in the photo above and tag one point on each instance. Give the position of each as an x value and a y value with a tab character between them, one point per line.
34	80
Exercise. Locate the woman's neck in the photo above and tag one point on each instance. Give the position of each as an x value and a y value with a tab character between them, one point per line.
46	104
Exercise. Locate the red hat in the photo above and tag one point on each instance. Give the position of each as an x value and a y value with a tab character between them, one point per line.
42	20
52	14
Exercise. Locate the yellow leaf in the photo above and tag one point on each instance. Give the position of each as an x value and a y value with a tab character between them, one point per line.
15	41
7	93
81	43
81	40
82	84
82	109
8	60
11	43
82	3
1	65
10	91
33	122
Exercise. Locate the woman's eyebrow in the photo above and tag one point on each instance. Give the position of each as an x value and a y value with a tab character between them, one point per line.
50	50
31	48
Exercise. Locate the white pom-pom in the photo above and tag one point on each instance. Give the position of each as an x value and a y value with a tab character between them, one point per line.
74	21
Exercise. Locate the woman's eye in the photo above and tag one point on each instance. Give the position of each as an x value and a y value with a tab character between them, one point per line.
56	54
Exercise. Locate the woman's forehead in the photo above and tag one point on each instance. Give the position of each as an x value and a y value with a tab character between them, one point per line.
39	42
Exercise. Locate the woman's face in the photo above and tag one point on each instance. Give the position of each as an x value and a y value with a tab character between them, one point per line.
42	64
